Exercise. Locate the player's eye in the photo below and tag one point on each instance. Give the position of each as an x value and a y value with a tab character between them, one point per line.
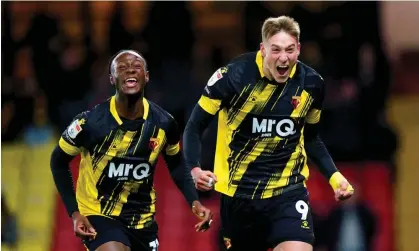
290	50
122	68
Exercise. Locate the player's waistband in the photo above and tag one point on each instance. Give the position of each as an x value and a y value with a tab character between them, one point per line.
278	192
291	188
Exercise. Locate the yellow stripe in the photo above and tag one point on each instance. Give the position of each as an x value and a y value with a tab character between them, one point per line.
294	68
116	207
125	143
145	218
224	138
67	148
172	149
256	188
113	110
139	140
89	179
244	164
209	105
281	179
313	116
161	140
221	166
249	106
146	108
86	186
259	63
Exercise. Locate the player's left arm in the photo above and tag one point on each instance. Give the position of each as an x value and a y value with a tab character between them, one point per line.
317	151
182	177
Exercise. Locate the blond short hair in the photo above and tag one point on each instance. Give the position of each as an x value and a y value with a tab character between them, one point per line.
274	25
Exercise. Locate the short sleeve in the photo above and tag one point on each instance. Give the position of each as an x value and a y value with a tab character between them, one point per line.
217	91
173	138
313	115
75	136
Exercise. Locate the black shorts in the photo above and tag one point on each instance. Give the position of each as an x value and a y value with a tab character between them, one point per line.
264	223
113	230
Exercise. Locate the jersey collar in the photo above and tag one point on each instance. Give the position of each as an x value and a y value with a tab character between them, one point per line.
115	113
259	63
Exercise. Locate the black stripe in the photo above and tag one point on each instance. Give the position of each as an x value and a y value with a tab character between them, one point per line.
274	166
273	162
239	152
102	148
138	204
137	201
244	99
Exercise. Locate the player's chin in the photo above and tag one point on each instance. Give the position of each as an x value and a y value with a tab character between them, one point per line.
131	91
281	78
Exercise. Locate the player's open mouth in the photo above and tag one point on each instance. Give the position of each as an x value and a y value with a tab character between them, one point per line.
131	82
282	70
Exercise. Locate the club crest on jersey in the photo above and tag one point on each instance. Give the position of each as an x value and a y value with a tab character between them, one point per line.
75	128
154	143
296	100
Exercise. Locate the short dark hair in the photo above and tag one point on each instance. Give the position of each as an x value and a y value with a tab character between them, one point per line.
122	51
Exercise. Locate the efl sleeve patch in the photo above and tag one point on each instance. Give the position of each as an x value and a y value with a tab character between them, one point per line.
218	74
74	129
74	136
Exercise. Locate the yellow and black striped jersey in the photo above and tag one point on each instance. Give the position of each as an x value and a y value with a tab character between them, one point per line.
118	158
260	143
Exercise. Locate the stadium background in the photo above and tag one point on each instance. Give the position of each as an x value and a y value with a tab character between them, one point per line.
54	65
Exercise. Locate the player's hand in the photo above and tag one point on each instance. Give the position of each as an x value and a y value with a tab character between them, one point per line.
344	191
82	227
204	180
204	214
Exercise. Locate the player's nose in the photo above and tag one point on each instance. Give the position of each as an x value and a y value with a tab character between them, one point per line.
130	70
282	58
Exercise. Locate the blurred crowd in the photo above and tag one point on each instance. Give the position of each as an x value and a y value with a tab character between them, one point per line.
55	63
56	54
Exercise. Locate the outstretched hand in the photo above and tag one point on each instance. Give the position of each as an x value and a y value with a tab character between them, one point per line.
204	214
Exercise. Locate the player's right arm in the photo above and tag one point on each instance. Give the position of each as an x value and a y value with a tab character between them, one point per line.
70	144
217	92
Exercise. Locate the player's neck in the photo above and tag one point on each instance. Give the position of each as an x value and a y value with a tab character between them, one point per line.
267	73
130	107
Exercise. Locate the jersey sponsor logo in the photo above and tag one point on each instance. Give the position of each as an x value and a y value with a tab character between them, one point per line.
216	76
123	171
267	127
75	128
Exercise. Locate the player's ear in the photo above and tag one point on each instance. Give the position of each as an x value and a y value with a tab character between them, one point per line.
146	76
262	49
112	79
298	49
